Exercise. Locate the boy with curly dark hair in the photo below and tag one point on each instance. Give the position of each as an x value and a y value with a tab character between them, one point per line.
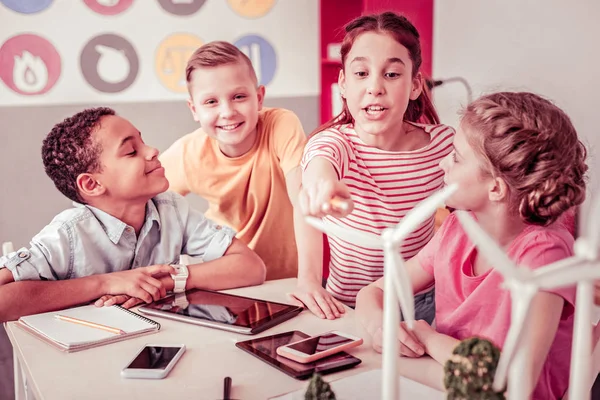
120	241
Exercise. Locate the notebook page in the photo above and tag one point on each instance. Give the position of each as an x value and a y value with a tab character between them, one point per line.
70	334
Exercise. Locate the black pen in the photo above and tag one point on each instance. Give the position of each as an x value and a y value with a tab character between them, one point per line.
227	388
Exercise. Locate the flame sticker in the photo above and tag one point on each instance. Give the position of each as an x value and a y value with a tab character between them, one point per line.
33	65
30	74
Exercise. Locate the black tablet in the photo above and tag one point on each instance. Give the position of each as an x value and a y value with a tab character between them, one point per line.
223	311
265	348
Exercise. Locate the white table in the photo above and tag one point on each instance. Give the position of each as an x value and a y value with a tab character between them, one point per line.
43	372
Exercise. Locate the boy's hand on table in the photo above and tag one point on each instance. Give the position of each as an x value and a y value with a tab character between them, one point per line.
122	299
143	283
318	201
318	300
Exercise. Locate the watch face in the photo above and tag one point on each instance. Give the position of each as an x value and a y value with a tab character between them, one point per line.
180	269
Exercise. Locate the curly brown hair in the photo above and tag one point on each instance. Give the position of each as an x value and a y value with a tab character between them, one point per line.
532	145
69	150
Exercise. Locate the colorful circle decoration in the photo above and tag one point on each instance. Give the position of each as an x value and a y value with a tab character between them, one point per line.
181	7
262	55
27	6
171	58
109	63
30	64
108	7
251	8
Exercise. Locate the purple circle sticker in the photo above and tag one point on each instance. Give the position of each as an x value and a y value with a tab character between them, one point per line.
30	64
27	6
262	54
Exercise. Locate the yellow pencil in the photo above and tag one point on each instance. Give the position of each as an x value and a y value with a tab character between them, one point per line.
116	331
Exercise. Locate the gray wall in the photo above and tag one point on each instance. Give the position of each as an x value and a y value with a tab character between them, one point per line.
30	200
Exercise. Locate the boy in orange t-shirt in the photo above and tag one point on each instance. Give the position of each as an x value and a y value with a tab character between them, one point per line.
244	160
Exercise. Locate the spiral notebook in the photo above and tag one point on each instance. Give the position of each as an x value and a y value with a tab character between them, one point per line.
70	336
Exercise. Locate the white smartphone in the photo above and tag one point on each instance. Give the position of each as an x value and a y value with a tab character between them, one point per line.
153	361
317	347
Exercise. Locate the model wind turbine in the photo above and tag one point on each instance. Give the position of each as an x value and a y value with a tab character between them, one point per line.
397	285
523	285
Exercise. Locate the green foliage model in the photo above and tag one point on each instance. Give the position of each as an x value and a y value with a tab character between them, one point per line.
469	372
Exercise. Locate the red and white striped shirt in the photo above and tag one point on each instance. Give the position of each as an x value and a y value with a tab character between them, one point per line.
384	186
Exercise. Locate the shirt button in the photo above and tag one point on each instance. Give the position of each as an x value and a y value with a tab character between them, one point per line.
22	255
218	227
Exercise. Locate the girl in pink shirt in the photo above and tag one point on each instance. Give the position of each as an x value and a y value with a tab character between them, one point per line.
520	167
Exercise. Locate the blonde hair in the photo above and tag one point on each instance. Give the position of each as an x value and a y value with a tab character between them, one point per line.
215	54
532	145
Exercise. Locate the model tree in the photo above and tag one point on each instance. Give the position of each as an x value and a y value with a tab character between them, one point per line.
318	389
469	373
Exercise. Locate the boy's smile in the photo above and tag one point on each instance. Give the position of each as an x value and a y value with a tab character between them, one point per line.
156	169
231	127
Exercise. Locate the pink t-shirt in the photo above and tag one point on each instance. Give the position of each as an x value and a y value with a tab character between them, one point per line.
467	305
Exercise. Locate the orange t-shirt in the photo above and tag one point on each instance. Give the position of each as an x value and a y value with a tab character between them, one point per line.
247	193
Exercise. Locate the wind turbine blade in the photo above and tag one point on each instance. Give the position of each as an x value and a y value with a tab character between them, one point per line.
402	284
349	235
487	247
557	266
568	277
421	212
521	297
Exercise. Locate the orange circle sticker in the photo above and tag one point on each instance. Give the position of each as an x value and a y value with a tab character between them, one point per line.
171	58
251	8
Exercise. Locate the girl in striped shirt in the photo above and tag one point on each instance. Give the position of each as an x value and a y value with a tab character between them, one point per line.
381	154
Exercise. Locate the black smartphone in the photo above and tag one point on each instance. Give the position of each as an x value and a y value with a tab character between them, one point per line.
265	348
153	361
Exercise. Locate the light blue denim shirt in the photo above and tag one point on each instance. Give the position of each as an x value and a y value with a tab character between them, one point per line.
84	240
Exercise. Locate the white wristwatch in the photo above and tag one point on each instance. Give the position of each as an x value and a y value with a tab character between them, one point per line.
180	277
